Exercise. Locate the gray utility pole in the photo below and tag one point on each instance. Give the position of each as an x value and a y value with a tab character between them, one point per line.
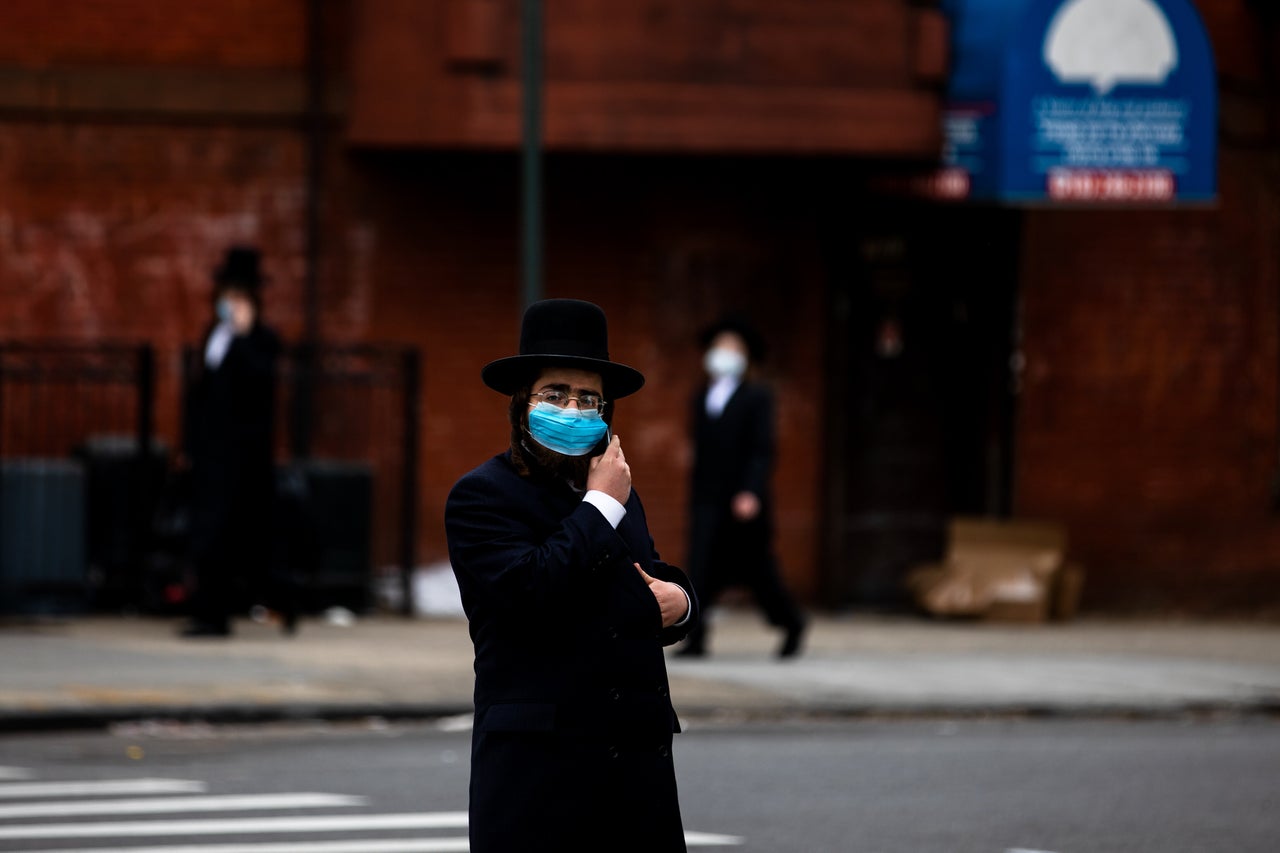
531	102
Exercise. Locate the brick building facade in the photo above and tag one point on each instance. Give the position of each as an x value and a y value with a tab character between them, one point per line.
733	157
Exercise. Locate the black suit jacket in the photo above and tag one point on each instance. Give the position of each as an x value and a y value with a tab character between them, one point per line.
571	682
734	451
229	435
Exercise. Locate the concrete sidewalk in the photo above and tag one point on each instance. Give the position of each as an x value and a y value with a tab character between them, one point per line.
90	671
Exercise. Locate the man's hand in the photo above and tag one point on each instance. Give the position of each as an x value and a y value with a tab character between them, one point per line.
746	506
610	473
672	600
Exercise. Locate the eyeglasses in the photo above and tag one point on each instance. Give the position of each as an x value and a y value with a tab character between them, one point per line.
559	399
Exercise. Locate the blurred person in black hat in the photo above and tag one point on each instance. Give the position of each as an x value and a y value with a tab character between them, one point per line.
731	506
569	607
229	442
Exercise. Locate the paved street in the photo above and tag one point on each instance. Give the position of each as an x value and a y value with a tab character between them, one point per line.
889	735
938	786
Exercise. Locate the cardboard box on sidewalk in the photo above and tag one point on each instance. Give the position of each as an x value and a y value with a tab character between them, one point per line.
1001	571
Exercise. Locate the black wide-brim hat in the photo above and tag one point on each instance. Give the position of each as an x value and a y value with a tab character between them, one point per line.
562	333
743	328
241	267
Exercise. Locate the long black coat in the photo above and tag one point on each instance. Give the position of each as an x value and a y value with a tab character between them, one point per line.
573	718
229	437
734	452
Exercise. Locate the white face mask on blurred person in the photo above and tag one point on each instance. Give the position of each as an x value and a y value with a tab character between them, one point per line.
725	363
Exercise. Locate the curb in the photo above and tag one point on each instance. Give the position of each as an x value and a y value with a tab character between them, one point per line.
91	719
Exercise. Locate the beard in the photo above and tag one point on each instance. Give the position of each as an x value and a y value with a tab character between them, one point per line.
572	469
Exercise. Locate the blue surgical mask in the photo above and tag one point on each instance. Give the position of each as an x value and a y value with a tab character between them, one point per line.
569	432
223	310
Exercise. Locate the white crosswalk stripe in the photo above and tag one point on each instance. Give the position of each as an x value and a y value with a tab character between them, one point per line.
709	839
171	805
237	826
98	788
29	801
383	845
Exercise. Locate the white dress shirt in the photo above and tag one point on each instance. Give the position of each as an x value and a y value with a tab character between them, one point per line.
719	393
219	342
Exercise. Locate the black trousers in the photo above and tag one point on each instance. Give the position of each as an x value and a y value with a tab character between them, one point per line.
725	552
231	541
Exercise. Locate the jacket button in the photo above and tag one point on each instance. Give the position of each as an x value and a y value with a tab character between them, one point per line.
612	752
662	691
613	633
664	751
615	694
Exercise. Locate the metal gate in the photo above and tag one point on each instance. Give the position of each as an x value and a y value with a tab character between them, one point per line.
80	472
90	516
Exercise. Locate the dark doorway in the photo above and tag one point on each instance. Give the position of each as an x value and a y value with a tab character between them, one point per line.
922	332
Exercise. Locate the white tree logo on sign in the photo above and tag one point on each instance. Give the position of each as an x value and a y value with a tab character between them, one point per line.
1108	42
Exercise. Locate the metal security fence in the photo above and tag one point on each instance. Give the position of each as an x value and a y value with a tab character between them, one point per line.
79	470
347	445
92	510
53	396
352	428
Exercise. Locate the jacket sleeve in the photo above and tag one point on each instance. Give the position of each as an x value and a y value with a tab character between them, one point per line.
253	360
671	574
760	445
505	560
655	567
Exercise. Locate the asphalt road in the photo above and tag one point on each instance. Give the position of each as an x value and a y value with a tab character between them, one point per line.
1062	786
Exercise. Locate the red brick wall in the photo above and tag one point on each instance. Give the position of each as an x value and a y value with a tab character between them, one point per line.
112	232
687	243
1148	420
218	33
110	228
115	205
650	75
1149	416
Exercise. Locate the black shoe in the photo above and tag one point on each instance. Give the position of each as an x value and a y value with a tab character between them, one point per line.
791	643
203	628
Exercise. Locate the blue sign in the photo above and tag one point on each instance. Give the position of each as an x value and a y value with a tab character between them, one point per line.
1067	101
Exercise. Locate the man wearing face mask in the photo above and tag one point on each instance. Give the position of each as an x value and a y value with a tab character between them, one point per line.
731	518
229	434
569	607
